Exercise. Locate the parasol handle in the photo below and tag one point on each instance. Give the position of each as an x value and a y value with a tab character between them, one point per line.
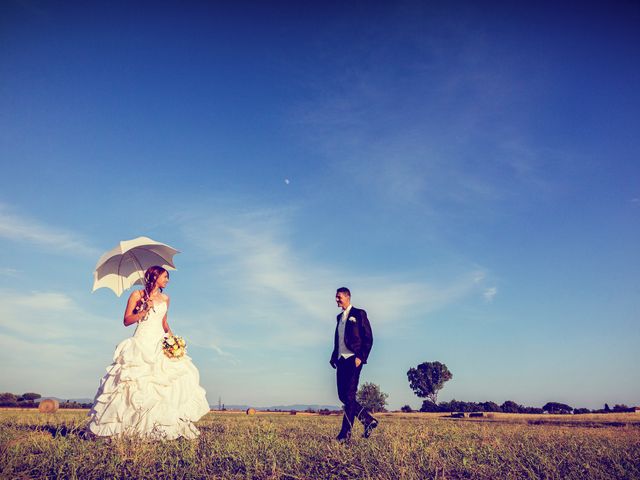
139	270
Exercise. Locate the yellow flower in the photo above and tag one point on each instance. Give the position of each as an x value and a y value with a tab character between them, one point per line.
181	342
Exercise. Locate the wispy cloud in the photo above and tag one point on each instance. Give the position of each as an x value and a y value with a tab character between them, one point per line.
441	132
57	340
292	293
490	293
201	330
49	368
55	302
49	317
9	272
20	228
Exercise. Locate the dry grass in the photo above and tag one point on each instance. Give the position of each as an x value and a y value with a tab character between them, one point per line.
281	446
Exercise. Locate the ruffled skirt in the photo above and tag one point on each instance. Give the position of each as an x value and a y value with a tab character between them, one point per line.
146	394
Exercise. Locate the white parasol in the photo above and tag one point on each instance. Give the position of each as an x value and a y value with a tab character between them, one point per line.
124	266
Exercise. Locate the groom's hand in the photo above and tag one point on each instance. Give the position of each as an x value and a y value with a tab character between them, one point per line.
358	362
332	363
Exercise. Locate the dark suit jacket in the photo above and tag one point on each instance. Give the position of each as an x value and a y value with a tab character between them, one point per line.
357	335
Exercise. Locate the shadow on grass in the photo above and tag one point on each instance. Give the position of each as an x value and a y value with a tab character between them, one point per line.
55	430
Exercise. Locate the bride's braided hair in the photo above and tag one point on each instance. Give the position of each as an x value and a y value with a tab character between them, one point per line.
150	278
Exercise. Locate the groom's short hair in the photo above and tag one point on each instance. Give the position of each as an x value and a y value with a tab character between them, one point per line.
344	290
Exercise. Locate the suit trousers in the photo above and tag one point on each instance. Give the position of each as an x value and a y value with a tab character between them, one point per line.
348	376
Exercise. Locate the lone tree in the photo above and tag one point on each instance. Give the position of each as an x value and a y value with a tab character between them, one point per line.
511	407
555	407
29	397
371	397
427	378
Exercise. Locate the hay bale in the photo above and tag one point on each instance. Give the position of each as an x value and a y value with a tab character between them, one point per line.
457	415
251	411
293	412
476	414
48	405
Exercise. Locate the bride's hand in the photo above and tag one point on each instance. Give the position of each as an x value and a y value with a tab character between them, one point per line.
144	309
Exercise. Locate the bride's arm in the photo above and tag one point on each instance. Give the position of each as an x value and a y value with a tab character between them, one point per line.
129	317
165	324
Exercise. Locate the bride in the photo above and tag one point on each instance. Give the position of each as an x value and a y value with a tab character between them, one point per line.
144	392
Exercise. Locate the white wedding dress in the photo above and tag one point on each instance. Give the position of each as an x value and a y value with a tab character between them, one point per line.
145	393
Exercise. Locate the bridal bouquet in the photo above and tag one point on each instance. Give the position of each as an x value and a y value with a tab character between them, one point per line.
174	347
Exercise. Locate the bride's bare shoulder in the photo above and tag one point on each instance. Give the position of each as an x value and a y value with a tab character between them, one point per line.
135	295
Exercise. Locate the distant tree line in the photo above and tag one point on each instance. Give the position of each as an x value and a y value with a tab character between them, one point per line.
28	400
512	407
428	378
618	408
460	406
73	404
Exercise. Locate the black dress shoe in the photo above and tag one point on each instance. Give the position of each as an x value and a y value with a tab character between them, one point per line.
344	437
368	429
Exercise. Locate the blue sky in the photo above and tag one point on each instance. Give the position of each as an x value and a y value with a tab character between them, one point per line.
470	172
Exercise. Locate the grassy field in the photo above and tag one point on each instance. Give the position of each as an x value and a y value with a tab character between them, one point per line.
273	446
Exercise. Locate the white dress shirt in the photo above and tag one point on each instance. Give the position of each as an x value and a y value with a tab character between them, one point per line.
343	351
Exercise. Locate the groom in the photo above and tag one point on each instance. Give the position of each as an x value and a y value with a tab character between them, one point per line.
352	343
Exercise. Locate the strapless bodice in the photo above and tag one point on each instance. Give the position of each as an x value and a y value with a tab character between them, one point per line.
151	330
